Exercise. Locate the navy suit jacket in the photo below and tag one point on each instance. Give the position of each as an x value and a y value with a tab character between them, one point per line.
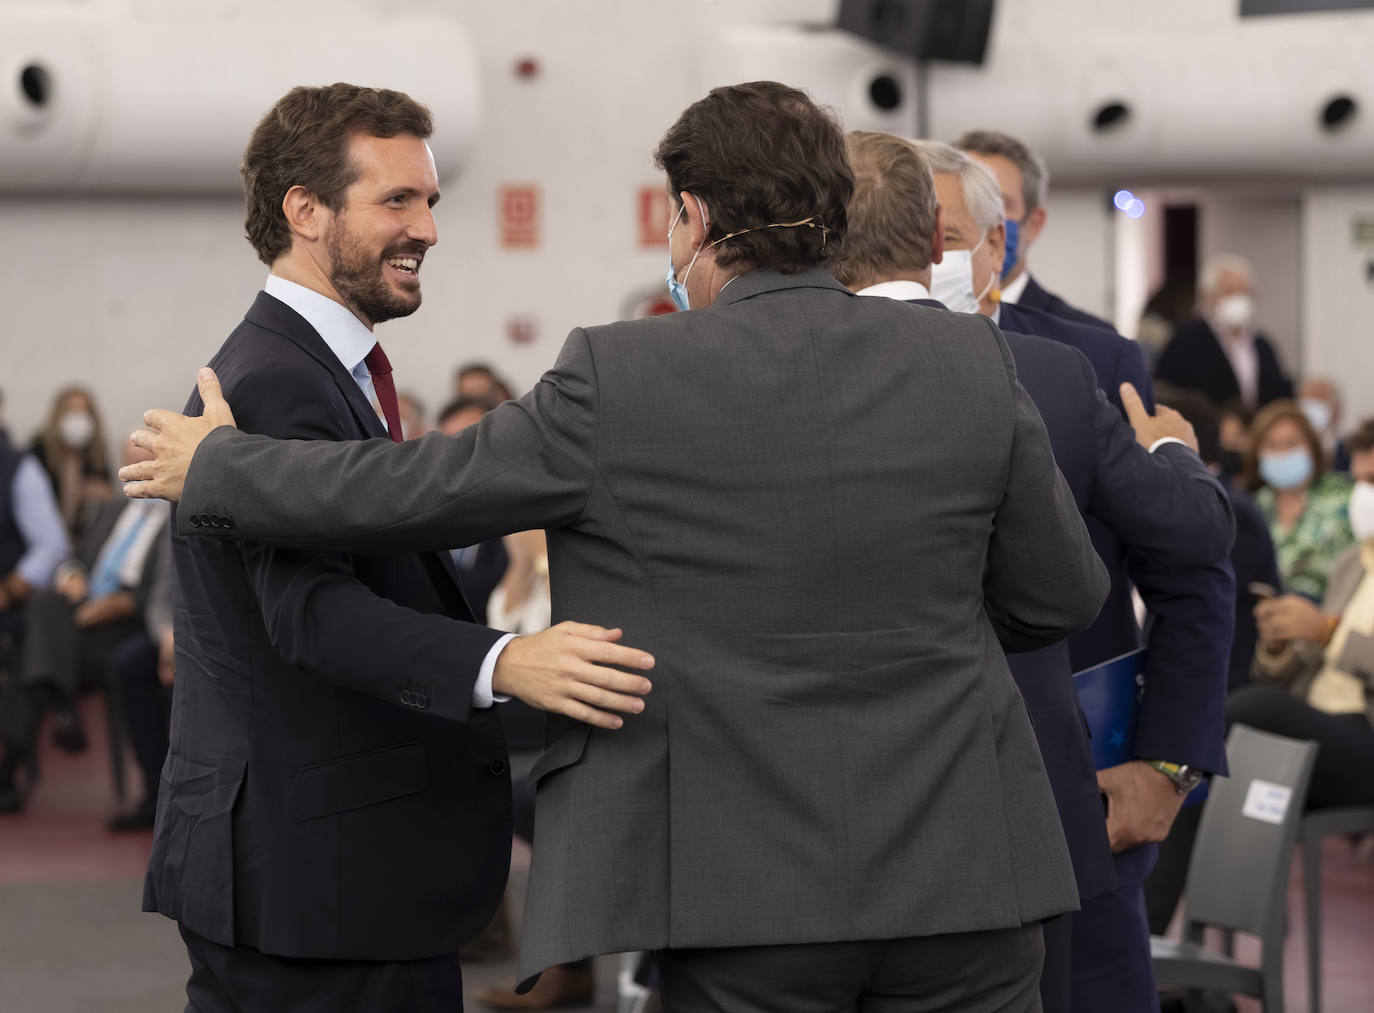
1195	360
1253	560
1115	359
1034	297
329	791
1139	496
1192	610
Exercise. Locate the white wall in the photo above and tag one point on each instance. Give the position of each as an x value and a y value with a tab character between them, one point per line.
130	295
1338	294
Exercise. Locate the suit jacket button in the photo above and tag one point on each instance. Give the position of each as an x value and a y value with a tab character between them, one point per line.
422	701
407	698
498	766
228	522
195	520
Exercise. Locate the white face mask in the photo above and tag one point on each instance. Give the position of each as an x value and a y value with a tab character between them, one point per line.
77	429
1362	510
951	280
1236	311
1318	412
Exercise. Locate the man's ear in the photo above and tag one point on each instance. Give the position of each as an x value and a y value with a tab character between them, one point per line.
696	217
1030	230
997	246
305	215
937	239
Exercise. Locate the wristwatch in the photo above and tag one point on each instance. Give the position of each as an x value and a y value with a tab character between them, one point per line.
1185	778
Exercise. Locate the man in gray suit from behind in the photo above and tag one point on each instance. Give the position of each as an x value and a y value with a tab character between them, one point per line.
827	517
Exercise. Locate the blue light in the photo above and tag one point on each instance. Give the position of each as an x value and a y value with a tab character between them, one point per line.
1136	208
1123	199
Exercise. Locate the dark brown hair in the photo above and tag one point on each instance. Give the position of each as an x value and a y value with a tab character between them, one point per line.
1276	411
1035	178
762	154
303	141
891	212
1362	439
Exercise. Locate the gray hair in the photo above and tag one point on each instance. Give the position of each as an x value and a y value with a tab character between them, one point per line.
1217	265
1035	175
981	191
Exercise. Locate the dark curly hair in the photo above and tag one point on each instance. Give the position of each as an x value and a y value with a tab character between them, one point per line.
762	154
303	141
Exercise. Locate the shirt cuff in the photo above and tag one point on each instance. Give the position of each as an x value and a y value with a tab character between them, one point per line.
1167	439
482	696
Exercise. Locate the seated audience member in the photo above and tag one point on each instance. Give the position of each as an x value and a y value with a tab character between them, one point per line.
1222	353
479	381
72	450
1320	401
1314	668
1252	554
1313	678
481	566
1233	432
32	542
95	604
413	420
143	667
1304	503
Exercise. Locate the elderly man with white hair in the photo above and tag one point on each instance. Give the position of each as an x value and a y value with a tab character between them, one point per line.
1221	354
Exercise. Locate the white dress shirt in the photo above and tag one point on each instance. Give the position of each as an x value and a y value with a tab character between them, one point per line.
1244	359
1012	292
350	340
903	290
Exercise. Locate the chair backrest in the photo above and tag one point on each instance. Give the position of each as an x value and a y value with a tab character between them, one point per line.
1238	875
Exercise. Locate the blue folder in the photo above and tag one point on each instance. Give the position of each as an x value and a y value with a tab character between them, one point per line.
1110	694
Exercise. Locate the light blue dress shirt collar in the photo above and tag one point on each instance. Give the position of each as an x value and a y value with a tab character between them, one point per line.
347	336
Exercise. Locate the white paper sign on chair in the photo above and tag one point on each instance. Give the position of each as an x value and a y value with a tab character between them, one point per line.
1266	801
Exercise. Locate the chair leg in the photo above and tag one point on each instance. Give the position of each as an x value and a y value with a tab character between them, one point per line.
1312	891
1271	977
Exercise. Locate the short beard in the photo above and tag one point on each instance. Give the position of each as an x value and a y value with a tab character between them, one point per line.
360	280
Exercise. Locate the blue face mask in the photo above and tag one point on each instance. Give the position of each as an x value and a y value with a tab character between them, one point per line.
1013	234
1290	469
677	290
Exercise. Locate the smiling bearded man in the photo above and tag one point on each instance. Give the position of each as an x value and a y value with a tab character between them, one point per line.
334	820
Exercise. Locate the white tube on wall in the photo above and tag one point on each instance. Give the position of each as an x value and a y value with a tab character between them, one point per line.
95	103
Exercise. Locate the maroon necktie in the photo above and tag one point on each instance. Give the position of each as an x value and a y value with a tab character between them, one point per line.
385	387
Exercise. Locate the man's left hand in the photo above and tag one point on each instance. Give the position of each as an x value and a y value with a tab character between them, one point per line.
103	611
172	439
1141	804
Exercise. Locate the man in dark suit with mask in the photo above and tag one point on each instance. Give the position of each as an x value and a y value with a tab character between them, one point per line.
1179	727
1164	503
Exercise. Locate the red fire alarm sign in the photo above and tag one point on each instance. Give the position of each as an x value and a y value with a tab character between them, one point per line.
519	214
653	217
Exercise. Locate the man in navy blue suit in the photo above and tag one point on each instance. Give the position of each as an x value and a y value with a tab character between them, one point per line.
1025	182
1164	503
1179	734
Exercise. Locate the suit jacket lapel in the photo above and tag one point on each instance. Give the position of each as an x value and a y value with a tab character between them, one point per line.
276	316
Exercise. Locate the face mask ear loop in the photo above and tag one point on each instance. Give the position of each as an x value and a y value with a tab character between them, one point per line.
705	227
992	278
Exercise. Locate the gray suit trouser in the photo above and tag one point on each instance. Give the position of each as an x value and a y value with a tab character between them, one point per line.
971	972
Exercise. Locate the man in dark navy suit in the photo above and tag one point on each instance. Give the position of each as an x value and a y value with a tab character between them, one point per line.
1164	503
1179	733
1025	181
334	819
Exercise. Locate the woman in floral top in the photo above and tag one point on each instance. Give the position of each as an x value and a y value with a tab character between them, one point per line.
1305	504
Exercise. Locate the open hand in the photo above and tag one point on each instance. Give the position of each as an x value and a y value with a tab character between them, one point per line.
172	439
1141	804
564	669
1149	429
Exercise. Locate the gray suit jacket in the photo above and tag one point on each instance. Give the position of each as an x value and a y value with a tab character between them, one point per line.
825	516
